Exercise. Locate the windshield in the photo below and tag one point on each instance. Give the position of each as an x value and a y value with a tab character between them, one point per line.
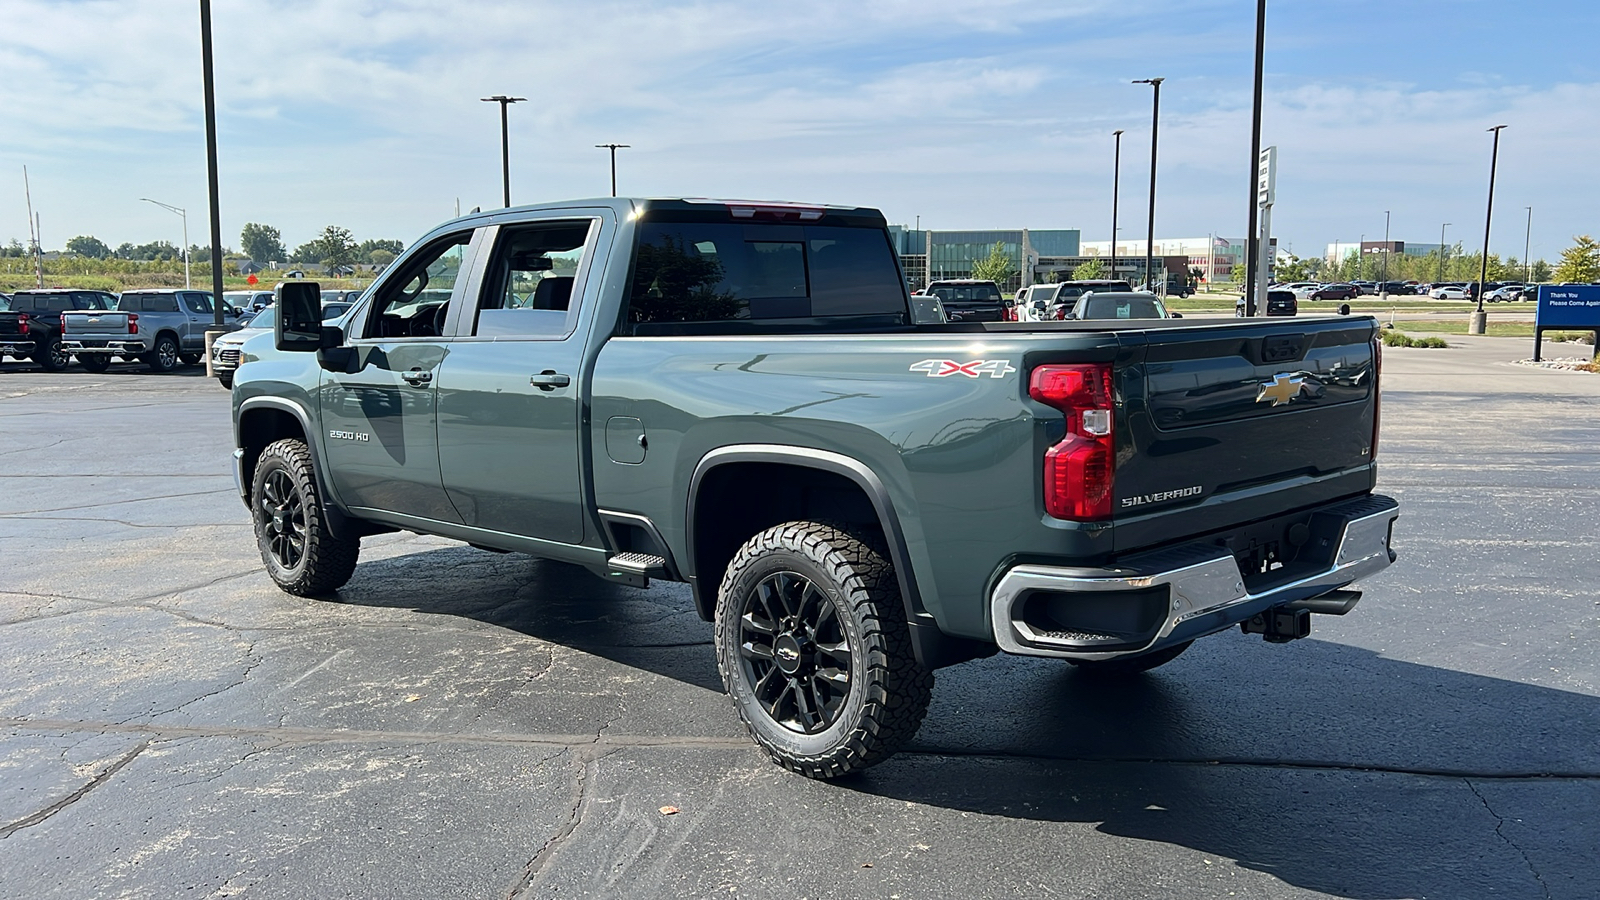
967	292
264	319
1125	307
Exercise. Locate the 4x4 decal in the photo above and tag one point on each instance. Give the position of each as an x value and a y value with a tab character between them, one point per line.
943	368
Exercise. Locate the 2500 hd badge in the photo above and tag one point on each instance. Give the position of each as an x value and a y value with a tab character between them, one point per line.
1161	496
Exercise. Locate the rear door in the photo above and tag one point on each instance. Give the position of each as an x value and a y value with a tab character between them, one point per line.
1220	426
380	426
509	393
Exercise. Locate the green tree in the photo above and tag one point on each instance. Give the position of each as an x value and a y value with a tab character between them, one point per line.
996	267
380	257
366	248
1093	270
89	247
1296	269
262	243
338	246
1541	271
1580	263
1238	273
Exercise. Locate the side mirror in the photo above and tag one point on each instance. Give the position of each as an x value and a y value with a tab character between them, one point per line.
332	354
299	324
1177	315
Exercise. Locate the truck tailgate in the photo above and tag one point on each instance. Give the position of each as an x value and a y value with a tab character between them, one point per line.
76	324
1223	426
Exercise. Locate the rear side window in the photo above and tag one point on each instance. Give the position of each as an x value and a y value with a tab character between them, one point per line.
799	274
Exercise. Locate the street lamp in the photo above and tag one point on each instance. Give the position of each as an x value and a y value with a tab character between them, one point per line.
1527	242
181	212
1383	289
613	149
1150	234
1441	249
1251	251
1480	318
1116	182
505	140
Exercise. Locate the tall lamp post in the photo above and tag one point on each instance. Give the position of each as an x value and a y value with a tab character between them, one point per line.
1442	227
209	84
1116	183
1255	163
1479	317
1150	233
1383	289
183	213
1527	243
613	149
505	140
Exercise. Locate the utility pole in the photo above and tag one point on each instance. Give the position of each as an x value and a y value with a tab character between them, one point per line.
505	140
211	175
1150	234
1383	289
1441	250
1116	183
1480	319
613	149
33	231
1255	152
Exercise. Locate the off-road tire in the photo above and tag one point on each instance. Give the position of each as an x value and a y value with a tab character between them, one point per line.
95	362
163	357
51	357
325	562
189	359
226	378
888	691
1130	665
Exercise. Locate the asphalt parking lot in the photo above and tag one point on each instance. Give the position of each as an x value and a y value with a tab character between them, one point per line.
461	723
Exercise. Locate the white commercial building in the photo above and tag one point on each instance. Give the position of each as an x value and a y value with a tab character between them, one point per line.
1214	255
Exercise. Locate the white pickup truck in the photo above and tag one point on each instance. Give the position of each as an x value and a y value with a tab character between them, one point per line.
161	328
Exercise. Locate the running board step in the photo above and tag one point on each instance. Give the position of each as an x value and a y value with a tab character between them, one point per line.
636	568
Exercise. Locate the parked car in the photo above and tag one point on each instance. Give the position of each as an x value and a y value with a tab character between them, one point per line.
970	300
1449	292
5	304
1529	293
31	325
853	507
1279	303
225	350
161	328
334	310
1335	292
248	301
1122	304
1058	299
1301	289
1505	293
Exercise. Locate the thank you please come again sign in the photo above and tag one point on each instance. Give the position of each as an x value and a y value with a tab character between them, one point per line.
1568	306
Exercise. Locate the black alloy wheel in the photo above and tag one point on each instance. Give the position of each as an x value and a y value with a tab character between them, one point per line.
283	518
795	653
52	358
299	550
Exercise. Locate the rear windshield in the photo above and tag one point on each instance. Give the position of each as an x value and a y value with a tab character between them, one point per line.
23	302
148	303
1123	308
705	272
967	292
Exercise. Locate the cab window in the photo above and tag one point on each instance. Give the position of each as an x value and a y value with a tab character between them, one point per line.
416	301
528	288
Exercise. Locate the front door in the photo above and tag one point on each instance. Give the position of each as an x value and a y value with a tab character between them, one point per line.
509	398
380	423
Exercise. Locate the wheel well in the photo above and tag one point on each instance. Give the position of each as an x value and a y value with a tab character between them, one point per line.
738	500
260	427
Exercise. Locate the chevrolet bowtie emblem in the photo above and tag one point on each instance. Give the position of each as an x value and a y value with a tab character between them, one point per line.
1280	390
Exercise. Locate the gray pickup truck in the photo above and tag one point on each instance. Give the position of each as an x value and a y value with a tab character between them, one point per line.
161	328
742	396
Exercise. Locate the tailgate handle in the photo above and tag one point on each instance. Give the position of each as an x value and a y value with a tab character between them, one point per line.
1283	347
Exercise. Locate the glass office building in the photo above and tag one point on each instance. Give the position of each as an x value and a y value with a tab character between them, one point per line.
935	255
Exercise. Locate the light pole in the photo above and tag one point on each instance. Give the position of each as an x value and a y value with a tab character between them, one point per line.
1116	182
1150	233
1383	289
1441	249
505	140
1527	242
1250	252
613	149
211	173
180	211
1479	317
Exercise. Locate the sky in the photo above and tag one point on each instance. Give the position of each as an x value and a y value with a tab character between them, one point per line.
960	114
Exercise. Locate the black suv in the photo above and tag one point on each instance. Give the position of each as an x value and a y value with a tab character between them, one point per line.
1279	303
31	327
969	300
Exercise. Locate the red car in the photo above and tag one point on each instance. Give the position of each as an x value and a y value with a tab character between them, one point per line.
1335	292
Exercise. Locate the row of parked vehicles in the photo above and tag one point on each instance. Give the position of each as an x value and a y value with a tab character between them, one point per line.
164	328
1498	291
976	300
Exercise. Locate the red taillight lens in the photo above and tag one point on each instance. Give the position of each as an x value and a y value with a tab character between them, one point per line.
1078	472
22	322
1377	396
133	323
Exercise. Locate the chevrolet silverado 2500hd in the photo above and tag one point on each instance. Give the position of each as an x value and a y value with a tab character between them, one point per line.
741	396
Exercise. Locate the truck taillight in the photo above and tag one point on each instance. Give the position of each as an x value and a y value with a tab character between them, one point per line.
133	323
1377	397
1078	471
22	322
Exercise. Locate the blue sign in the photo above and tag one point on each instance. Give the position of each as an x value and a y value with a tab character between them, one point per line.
1568	306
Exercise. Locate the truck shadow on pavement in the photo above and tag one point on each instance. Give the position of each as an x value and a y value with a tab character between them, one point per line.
1326	766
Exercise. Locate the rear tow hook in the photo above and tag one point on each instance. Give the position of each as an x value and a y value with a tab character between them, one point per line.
1292	621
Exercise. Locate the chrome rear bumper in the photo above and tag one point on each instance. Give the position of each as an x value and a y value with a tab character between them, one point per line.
1206	591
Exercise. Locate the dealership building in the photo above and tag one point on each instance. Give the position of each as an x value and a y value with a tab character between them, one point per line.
1339	251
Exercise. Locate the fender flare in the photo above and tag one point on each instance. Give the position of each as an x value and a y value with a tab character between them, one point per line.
339	523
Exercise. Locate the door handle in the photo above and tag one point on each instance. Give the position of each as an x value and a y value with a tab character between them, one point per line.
549	380
417	377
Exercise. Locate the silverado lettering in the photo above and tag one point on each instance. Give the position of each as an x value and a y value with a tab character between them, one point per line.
1160	496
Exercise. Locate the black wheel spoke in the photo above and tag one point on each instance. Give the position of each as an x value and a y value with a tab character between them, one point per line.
756	651
794	652
757	624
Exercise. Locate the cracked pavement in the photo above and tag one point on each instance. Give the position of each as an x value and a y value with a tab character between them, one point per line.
462	723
